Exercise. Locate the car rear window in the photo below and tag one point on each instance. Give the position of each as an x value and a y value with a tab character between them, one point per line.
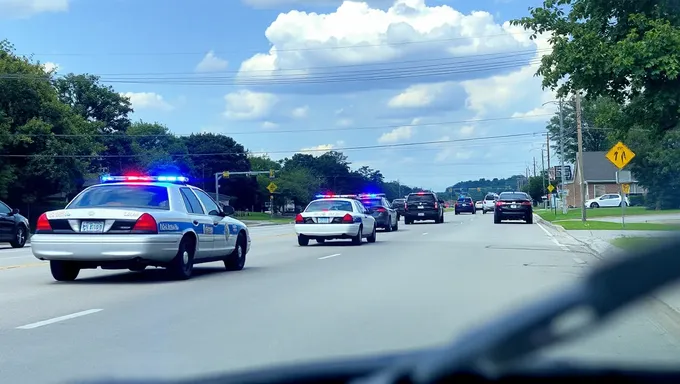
372	202
329	205
425	198
465	200
398	201
123	196
490	197
513	196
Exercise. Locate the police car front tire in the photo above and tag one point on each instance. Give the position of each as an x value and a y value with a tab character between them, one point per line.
303	240
237	259
182	266
64	270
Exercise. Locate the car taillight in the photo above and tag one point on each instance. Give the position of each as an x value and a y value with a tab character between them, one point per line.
405	206
146	223
299	219
499	203
436	205
380	209
526	203
43	224
347	219
456	204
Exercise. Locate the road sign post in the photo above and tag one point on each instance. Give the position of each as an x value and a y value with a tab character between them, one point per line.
620	155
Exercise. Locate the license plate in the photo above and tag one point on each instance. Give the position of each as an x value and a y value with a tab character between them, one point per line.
513	206
92	226
323	220
421	207
421	214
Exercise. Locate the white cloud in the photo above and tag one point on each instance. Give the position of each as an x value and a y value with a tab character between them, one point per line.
49	66
448	151
466	130
300	112
28	8
344	122
212	63
269	125
513	91
147	100
398	134
319	150
374	36
249	105
419	95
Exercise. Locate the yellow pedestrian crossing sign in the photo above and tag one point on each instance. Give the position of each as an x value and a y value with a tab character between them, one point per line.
620	155
625	188
550	188
272	187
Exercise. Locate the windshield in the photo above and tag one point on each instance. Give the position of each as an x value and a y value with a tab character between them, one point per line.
124	196
286	113
329	205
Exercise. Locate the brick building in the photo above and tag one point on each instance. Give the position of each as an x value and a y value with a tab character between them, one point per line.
599	177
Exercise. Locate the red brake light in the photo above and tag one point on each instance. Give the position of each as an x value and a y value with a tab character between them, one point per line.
146	223
420	193
436	205
347	219
380	209
43	224
499	203
405	206
526	203
299	219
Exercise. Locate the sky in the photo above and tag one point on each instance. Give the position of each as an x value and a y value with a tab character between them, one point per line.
429	92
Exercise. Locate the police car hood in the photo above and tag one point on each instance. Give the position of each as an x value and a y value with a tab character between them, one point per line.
101	213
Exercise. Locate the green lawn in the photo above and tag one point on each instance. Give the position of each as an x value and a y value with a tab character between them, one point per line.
600	212
593	225
259	216
634	243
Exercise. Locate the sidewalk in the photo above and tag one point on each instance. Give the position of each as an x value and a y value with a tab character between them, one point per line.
598	242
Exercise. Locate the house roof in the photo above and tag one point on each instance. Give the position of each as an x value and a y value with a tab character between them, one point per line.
596	167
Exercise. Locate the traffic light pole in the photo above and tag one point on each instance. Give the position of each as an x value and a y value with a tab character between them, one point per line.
227	174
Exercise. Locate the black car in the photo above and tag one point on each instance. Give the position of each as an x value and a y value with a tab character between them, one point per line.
383	213
398	205
13	227
421	206
513	206
465	204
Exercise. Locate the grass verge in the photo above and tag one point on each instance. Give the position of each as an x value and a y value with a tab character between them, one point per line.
259	216
600	212
634	243
609	226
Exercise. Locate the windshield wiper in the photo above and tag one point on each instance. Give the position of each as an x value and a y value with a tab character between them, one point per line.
499	345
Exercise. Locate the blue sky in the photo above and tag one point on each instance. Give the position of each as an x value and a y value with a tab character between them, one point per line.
410	87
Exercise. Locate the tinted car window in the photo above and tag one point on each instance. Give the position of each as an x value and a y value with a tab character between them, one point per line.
372	202
513	196
398	201
426	198
329	205
123	195
465	200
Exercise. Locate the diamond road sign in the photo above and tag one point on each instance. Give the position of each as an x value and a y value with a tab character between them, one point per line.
272	187
620	155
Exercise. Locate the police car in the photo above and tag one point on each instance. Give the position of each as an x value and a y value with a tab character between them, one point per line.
131	222
335	217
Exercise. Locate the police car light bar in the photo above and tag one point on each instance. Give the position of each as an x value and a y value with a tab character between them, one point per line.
147	179
369	195
336	196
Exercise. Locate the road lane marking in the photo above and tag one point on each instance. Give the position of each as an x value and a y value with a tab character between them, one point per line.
579	261
58	319
424	233
28	265
329	256
552	237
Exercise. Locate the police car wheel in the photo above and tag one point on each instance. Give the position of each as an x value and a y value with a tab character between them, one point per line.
396	226
64	270
359	238
373	237
182	266
303	240
237	259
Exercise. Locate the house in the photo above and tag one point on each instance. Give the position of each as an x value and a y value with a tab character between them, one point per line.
599	176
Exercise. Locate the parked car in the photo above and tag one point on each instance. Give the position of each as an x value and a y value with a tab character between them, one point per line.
13	226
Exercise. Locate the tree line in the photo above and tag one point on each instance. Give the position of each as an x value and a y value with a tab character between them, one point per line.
58	134
627	71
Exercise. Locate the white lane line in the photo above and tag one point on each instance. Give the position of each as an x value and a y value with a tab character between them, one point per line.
329	256
579	261
424	233
60	318
550	235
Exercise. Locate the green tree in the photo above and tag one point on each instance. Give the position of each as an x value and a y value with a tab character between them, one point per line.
595	138
45	145
535	188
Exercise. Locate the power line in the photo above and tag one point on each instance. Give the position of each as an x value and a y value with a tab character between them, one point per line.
307	151
268	132
301	49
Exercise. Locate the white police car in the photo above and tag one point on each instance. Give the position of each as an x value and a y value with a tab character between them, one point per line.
131	222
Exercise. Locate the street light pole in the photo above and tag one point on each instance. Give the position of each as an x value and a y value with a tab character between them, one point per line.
562	181
543	180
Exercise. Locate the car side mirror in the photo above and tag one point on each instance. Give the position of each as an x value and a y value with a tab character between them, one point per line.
15	211
228	210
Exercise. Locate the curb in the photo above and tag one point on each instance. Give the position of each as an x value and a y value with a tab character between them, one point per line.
543	221
595	252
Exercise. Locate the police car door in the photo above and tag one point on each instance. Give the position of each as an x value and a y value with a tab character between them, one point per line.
220	233
202	223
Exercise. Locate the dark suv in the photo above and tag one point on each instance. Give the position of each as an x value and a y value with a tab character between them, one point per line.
398	205
422	206
513	206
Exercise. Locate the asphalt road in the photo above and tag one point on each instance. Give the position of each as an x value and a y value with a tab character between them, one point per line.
416	287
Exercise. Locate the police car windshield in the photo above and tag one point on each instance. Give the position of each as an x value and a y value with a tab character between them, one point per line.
329	205
124	196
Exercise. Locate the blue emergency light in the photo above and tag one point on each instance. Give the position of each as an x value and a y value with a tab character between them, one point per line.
371	195
144	179
336	196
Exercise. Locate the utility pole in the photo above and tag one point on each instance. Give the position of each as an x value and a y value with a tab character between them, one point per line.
562	181
579	135
535	163
543	180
